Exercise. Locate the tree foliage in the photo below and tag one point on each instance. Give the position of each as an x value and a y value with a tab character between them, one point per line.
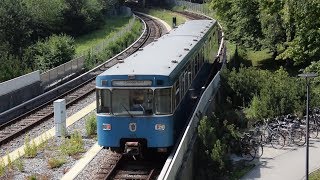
47	16
82	15
54	51
15	30
286	26
25	24
264	93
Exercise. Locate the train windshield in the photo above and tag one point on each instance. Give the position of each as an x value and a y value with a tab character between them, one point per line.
163	104
132	102
103	101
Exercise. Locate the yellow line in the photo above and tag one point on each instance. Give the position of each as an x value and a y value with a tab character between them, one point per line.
79	166
49	134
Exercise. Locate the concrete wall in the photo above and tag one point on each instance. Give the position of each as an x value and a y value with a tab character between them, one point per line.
19	96
19	90
19	82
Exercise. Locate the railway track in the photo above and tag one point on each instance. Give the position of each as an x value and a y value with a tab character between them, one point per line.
125	167
21	124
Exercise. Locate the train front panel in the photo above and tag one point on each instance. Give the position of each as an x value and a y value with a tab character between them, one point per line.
156	131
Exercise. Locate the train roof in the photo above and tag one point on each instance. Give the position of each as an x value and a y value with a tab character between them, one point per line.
161	57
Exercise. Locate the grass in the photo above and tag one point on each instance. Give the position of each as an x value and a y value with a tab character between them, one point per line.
30	149
166	15
114	47
315	175
2	167
112	24
91	125
55	162
73	146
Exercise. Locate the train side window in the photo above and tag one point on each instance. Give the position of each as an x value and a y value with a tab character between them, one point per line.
195	62
181	82
177	93
186	83
189	78
163	103
192	67
103	101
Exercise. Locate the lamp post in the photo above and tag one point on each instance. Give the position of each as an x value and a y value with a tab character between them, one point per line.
306	76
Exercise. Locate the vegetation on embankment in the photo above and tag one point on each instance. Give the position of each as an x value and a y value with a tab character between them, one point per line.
114	47
30	28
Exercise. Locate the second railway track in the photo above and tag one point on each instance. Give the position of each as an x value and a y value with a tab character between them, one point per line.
30	119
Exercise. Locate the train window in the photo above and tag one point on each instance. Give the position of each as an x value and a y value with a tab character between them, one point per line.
181	82
196	66
163	103
186	83
132	102
103	101
177	93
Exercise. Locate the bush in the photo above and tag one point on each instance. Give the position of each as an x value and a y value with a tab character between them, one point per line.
54	51
91	125
73	146
114	47
55	162
10	67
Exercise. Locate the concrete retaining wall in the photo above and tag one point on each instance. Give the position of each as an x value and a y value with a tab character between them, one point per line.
19	96
19	90
19	82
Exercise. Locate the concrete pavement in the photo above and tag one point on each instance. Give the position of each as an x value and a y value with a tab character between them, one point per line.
286	164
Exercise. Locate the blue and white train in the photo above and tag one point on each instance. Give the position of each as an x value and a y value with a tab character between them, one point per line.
145	99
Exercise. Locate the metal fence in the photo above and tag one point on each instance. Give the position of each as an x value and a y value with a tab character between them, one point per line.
194	7
77	64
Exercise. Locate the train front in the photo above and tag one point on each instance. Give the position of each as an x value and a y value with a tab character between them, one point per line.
133	112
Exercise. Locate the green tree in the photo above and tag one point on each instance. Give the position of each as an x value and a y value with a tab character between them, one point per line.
305	47
81	16
241	20
54	51
14	26
47	16
272	24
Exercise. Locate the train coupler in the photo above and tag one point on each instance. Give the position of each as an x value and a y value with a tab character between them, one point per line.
132	148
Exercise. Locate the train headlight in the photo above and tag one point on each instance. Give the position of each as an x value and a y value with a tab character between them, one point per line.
106	127
160	127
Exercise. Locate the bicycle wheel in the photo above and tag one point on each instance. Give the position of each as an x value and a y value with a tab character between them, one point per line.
248	152
264	136
259	150
299	137
286	135
277	141
313	131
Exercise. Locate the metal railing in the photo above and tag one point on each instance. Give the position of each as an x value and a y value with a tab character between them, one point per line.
195	7
77	64
176	158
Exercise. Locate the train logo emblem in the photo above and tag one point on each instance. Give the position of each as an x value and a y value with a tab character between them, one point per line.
132	127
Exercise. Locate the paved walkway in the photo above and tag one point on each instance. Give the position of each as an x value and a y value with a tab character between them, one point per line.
286	164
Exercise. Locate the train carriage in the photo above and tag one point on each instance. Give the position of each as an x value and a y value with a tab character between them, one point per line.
144	99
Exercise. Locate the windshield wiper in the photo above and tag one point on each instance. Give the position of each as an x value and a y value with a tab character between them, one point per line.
127	110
